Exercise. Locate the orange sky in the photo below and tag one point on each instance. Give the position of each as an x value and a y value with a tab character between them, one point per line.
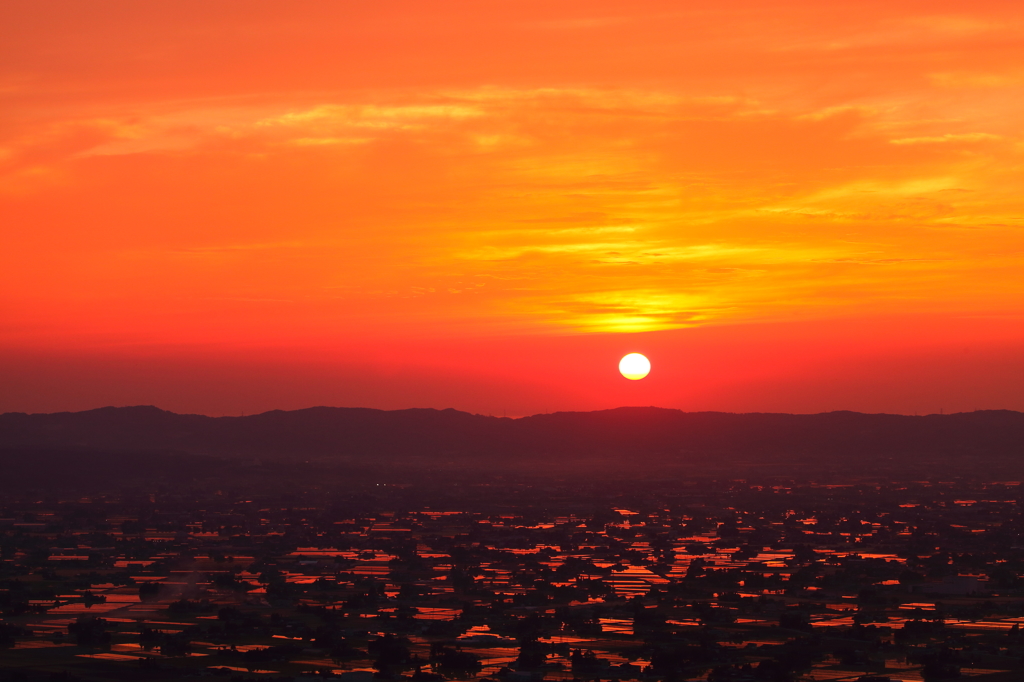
235	206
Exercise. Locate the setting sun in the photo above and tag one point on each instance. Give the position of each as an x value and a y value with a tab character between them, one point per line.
634	366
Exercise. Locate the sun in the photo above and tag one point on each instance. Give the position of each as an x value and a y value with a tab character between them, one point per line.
634	366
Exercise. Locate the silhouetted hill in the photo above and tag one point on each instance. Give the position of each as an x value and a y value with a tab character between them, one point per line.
634	435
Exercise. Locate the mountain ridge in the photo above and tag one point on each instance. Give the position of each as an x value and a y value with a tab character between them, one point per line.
642	432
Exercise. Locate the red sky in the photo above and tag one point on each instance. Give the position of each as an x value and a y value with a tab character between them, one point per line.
226	207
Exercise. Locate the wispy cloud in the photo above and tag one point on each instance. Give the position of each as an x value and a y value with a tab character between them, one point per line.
654	183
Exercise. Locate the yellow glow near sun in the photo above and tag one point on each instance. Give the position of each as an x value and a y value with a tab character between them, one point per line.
634	366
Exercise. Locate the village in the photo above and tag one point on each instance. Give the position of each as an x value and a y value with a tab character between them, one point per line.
725	581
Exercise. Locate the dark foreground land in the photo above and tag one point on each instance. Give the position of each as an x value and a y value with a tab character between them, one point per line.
517	579
141	545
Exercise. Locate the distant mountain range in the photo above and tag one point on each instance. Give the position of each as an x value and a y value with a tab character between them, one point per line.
628	434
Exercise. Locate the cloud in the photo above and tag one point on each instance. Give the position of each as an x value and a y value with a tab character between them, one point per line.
948	137
590	209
